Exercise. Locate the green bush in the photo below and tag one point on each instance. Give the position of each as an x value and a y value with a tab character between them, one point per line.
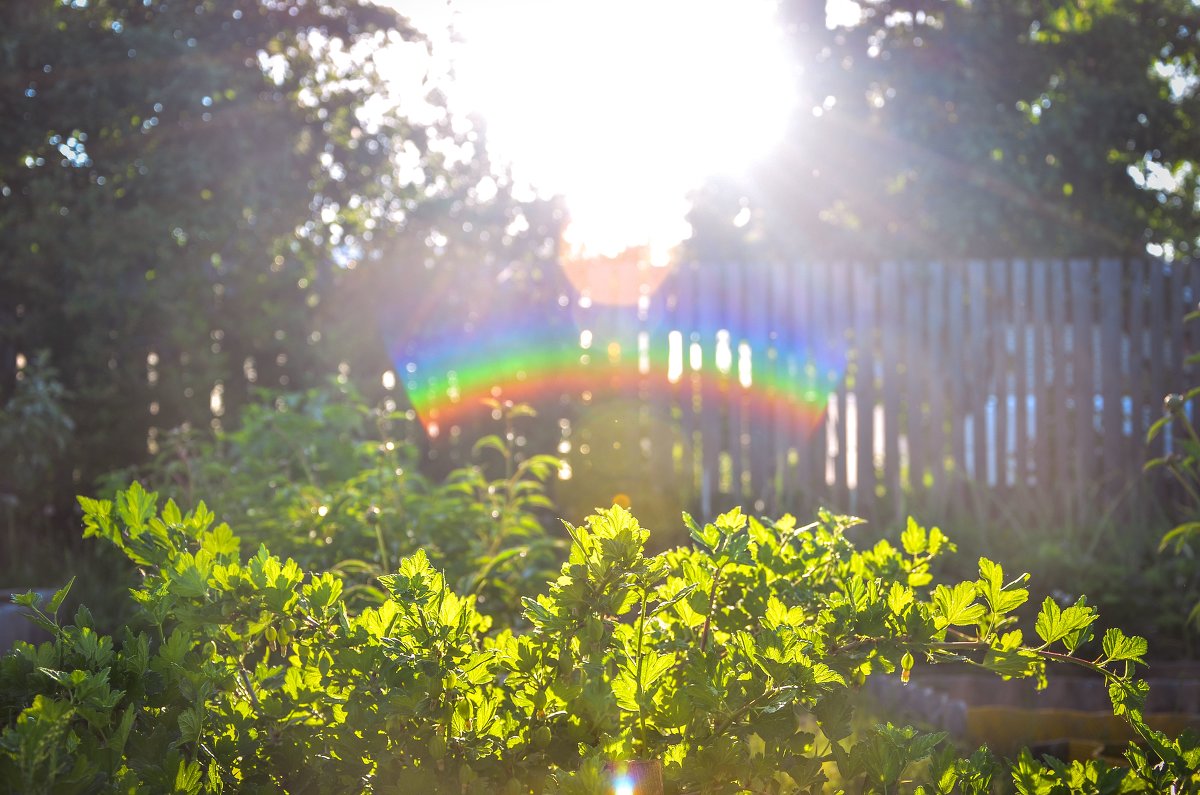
333	483
35	433
732	663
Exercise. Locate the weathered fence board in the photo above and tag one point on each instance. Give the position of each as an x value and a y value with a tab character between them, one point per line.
880	386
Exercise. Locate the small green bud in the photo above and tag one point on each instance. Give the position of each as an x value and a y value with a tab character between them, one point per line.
1173	403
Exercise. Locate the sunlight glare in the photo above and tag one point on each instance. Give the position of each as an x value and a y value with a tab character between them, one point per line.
623	107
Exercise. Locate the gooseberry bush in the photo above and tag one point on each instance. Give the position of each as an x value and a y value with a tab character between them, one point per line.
730	665
334	483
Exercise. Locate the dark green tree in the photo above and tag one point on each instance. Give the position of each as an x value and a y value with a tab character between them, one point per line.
221	193
953	129
174	176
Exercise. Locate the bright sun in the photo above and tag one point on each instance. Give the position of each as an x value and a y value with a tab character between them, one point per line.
623	106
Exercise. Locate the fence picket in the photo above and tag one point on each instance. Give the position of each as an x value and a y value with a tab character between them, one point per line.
1109	363
865	308
1037	377
1137	371
1020	376
999	295
956	360
936	377
1041	385
914	374
890	323
1083	385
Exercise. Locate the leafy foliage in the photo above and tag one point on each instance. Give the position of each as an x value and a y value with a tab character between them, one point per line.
334	483
202	196
731	662
35	430
1183	465
969	129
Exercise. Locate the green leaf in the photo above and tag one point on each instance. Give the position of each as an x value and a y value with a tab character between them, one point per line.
492	442
187	778
654	666
219	541
899	598
190	724
29	599
171	514
1156	428
914	539
672	600
1128	696
732	520
1054	624
938	541
1179	535
1155	463
992	589
955	607
1118	646
57	600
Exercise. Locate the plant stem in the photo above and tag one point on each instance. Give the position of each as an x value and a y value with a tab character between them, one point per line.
641	693
1046	653
383	555
712	603
749	705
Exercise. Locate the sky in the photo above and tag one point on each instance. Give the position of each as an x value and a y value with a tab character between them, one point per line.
622	107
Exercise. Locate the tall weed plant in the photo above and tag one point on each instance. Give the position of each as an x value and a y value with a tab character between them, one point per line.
334	483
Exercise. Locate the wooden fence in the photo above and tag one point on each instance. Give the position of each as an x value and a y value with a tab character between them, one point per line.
875	388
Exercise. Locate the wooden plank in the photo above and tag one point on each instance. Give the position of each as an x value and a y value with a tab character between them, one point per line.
684	287
734	394
794	320
709	290
976	368
915	364
1040	449
890	382
1083	386
818	303
659	435
801	357
1191	335
1021	376
1137	373
839	322
1176	309
939	376
1000	303
1112	384
1058	425
956	363
865	284
757	399
777	378
1157	285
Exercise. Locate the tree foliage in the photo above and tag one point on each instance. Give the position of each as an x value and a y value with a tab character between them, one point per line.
980	129
202	195
730	663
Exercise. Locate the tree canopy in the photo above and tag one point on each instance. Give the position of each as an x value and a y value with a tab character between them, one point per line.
198	196
977	129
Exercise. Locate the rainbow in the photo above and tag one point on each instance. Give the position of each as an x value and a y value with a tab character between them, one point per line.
548	359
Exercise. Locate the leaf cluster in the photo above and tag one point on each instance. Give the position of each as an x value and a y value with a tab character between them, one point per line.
731	663
334	483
